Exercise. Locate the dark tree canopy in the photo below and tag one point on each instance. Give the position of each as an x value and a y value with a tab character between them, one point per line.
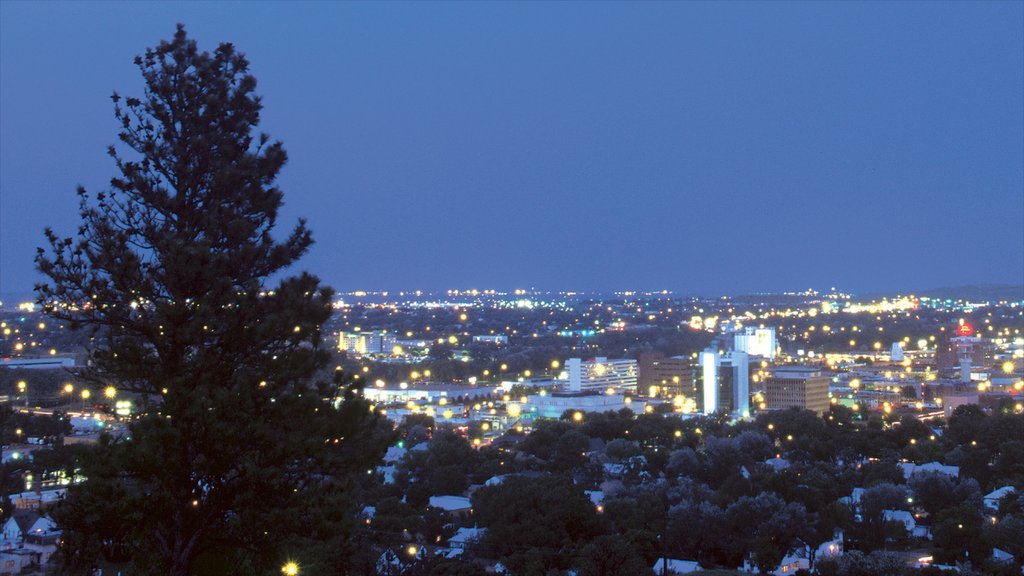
242	454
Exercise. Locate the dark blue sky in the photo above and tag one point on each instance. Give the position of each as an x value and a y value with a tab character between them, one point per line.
701	147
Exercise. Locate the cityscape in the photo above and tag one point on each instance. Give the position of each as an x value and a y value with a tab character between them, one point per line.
646	410
525	289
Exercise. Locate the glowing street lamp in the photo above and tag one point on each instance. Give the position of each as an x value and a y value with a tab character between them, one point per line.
110	392
290	569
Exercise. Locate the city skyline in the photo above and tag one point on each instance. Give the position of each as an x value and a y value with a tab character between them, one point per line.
697	148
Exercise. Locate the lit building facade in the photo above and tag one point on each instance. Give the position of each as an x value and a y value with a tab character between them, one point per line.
725	382
797	387
367	342
670	377
600	374
756	342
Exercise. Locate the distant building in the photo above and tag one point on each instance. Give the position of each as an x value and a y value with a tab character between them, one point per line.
554	405
947	356
48	363
756	342
600	374
491	339
361	343
797	386
896	354
709	380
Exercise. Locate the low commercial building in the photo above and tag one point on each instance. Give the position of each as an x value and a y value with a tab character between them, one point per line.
554	405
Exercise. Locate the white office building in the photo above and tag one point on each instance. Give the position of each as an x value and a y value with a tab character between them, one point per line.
725	374
600	374
756	342
367	342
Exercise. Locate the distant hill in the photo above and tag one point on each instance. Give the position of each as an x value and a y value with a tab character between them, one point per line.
978	292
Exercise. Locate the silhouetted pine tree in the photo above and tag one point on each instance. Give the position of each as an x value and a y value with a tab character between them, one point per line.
240	457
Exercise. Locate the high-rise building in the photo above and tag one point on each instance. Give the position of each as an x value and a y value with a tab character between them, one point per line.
756	342
601	374
725	382
947	353
796	386
709	380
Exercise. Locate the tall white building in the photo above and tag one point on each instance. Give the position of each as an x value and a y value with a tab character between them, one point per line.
756	342
740	363
709	372
727	374
600	374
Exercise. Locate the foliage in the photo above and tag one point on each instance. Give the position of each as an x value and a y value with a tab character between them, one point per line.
536	524
612	556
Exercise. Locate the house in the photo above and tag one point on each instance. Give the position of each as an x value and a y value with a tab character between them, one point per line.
11	534
496	480
42	526
910	469
463	537
387	473
614	470
791	563
853	500
799	558
17	560
452	505
394	454
992	498
795	560
37	499
673	566
831	549
902	516
1001	556
396	562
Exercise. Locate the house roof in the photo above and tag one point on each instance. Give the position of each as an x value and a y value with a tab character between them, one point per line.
676	566
464	535
450	503
999	493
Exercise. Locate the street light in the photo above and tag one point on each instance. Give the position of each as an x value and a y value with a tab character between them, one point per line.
290	569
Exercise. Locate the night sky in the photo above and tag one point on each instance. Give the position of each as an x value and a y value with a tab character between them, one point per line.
702	148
